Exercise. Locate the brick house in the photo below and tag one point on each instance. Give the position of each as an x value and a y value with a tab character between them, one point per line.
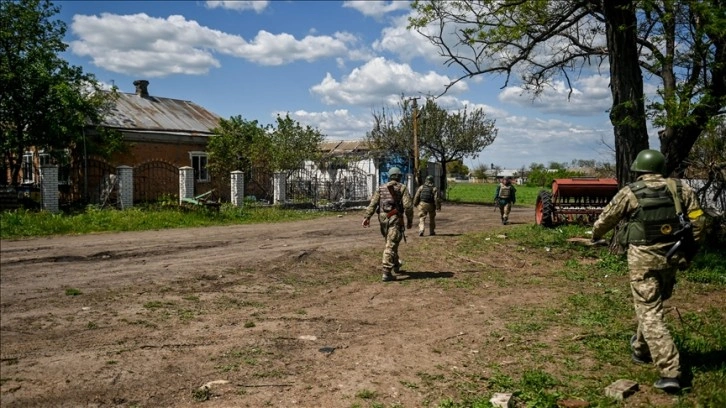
162	135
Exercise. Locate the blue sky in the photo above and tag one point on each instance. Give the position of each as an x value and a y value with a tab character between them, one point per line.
328	64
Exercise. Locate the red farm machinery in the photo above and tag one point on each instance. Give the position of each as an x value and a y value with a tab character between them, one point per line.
574	200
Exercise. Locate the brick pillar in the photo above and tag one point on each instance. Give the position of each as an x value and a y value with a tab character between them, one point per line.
186	183
49	188
280	186
237	184
125	176
372	184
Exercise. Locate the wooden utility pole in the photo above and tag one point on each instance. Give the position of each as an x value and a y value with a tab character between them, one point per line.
415	142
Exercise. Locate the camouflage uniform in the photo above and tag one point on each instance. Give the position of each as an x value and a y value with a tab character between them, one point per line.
428	201
652	277
391	226
504	197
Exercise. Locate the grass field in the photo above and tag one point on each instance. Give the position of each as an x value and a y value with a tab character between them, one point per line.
483	193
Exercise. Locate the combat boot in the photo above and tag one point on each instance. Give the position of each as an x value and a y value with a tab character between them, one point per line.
387	276
420	233
668	384
398	266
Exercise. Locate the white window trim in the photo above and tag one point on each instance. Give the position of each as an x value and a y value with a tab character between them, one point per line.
197	176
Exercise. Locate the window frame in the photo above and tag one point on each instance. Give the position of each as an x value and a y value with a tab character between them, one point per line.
201	170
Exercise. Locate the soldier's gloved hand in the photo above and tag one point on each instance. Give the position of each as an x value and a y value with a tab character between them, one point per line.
366	222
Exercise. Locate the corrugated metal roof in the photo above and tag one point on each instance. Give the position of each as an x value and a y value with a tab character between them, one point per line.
344	147
132	111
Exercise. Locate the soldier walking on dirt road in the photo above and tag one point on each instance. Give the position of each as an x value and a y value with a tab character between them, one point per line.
664	223
391	201
428	201
504	197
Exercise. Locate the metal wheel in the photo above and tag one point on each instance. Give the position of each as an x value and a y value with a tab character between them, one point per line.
544	210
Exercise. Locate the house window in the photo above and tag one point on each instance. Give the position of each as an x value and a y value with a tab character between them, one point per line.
199	163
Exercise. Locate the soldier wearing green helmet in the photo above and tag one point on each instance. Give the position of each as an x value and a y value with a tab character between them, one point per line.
391	201
428	200
660	214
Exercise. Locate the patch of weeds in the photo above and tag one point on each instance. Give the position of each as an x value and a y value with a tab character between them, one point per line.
249	324
611	265
709	266
366	394
429	380
302	312
231	360
73	292
154	304
269	374
409	384
500	382
524	327
186	314
191	298
111	362
91	325
201	394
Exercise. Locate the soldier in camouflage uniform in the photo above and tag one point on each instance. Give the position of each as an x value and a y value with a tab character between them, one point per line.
504	197
428	201
648	207
391	201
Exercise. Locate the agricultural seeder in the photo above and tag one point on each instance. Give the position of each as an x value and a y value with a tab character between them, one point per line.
574	200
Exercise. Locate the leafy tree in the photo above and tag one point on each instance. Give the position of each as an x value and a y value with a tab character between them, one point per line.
453	136
708	162
444	136
679	41
45	103
291	144
457	167
236	145
239	144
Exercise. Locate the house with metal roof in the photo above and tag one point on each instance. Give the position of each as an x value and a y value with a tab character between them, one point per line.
162	135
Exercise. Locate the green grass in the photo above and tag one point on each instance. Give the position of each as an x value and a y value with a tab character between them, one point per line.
24	223
598	312
483	193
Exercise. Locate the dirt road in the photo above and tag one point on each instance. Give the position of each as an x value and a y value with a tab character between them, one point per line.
289	314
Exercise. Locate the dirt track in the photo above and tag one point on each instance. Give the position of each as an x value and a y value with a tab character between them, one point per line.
290	314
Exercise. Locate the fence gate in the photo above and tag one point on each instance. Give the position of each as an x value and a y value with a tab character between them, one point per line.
258	183
97	170
155	179
327	187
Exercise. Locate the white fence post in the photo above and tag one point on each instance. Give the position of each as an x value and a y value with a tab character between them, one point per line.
280	186
49	187
186	183
237	185
125	186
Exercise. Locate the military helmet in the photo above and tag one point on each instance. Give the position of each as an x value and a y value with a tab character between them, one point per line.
394	173
430	179
649	161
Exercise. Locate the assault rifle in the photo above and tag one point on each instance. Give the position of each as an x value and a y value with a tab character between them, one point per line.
685	241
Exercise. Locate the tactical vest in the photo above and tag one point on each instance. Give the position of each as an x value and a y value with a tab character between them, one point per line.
388	202
655	220
505	191
427	194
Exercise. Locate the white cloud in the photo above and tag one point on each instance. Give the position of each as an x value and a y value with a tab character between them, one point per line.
590	96
155	47
239	5
377	9
380	81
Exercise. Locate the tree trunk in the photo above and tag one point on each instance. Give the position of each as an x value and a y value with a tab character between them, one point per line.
626	85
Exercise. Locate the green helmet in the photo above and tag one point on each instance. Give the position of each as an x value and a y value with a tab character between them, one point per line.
649	161
430	179
394	173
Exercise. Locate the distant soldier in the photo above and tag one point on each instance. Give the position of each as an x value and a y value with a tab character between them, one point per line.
504	197
655	209
428	201
391	201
